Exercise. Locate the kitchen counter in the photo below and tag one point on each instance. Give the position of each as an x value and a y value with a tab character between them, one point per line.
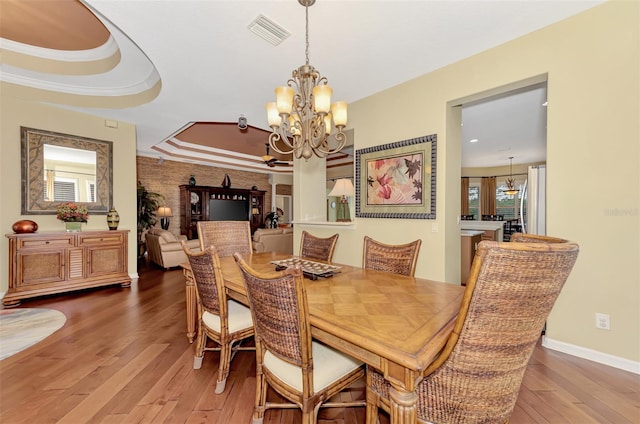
471	233
488	227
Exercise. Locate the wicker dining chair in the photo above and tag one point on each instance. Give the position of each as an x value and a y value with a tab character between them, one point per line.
306	373
313	247
398	258
224	321
227	236
477	376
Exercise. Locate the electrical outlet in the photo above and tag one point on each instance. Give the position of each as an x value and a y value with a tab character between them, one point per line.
434	227
603	321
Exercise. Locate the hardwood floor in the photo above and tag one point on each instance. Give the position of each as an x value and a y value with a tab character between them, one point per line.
123	357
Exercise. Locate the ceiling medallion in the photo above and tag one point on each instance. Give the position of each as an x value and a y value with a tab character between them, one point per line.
302	121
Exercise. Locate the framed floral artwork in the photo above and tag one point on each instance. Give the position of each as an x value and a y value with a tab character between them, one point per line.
397	180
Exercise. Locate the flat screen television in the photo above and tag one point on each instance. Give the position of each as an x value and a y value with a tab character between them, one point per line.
228	210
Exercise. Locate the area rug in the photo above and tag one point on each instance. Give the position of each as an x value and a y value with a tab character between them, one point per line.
21	328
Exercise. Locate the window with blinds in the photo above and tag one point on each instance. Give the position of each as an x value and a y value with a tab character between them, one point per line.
474	201
506	205
91	191
63	191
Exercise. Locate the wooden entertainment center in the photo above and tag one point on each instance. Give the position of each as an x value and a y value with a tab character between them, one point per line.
206	203
58	262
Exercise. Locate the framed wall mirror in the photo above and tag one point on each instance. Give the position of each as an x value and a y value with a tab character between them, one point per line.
59	168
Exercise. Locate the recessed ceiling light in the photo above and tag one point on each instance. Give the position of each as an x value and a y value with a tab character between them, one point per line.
473	140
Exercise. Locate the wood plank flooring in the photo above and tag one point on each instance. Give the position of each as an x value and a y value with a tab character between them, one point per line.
123	357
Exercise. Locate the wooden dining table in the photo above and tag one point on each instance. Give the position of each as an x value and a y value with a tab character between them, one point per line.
394	323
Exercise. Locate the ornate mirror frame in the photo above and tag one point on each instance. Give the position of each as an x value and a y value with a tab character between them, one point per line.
33	186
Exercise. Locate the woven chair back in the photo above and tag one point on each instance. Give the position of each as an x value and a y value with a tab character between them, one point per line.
314	247
227	236
398	259
535	238
280	312
508	297
205	267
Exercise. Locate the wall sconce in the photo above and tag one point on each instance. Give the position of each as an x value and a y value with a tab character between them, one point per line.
164	213
343	189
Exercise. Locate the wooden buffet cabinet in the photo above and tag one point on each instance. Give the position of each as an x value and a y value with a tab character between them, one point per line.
197	203
57	262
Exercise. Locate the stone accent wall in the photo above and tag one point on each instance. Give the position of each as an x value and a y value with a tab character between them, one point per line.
284	189
166	179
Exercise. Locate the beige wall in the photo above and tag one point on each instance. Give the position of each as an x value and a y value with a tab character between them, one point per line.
15	113
591	63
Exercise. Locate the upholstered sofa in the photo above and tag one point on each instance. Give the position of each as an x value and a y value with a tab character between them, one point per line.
273	240
165	250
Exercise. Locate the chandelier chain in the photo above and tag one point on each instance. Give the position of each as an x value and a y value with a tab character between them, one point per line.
306	36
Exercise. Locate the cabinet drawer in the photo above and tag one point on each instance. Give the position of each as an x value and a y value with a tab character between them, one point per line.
98	240
49	242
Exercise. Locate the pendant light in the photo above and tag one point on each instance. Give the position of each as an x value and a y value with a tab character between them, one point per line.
511	190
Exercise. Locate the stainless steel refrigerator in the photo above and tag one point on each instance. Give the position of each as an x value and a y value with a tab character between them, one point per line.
534	194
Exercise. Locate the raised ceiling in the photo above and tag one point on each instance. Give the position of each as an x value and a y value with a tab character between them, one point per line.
184	72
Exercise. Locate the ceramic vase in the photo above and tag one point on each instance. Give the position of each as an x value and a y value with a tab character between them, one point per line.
25	226
226	182
113	219
73	227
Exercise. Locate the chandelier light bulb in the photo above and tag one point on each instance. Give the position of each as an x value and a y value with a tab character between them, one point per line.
322	98
339	112
284	99
273	117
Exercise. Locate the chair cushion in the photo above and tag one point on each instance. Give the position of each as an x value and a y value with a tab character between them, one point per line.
329	365
239	318
165	235
266	231
168	236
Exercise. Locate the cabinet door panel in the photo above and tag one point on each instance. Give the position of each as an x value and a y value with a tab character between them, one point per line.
40	268
76	263
489	235
104	260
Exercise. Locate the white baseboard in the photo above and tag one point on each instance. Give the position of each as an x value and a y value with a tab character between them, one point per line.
134	277
592	355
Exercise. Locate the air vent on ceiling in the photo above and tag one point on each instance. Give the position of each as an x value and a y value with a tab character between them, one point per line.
268	30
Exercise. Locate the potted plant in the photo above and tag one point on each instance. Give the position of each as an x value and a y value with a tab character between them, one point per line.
148	203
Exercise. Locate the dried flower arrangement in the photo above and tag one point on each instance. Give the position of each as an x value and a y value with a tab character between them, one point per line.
70	212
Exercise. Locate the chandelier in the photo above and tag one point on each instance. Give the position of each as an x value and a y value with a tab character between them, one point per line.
511	190
301	121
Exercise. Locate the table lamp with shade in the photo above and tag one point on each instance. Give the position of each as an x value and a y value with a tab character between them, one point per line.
343	189
164	213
